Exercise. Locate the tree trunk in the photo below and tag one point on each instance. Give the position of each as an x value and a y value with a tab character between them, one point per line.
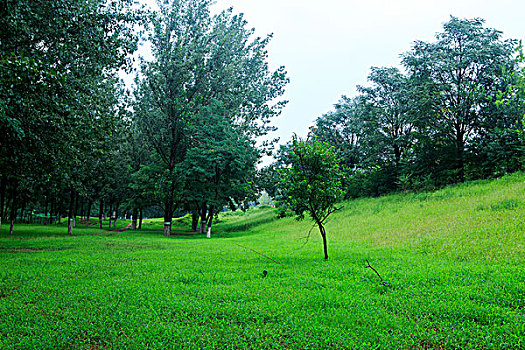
168	214
3	185
460	155
115	216
52	214
70	220
140	218
8	204
109	215
13	212
194	221
75	211
134	219
100	210
210	221
88	212
323	235
45	211
203	218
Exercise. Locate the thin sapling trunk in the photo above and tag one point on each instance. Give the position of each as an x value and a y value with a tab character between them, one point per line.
70	221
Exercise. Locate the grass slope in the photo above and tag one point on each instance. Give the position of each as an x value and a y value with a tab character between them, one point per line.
454	260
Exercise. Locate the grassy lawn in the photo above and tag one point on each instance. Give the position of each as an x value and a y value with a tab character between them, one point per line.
454	261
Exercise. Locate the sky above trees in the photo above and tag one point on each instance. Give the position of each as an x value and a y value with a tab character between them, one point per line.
328	47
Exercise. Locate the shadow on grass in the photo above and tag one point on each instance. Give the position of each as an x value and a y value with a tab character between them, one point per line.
33	231
227	227
243	228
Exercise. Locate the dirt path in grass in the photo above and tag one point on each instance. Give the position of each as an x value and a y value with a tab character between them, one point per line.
114	232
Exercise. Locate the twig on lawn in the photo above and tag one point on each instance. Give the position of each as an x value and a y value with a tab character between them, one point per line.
261	254
386	284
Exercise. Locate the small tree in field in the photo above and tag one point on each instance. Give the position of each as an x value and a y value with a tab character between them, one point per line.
312	182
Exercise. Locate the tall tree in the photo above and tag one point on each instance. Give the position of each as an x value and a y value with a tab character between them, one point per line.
465	64
199	60
219	167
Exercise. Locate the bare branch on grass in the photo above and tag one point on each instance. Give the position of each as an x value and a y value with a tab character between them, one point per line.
261	254
384	283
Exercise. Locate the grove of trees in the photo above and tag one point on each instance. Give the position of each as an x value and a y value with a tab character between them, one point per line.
453	112
74	142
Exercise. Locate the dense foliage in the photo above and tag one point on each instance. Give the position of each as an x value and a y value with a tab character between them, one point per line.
61	103
311	182
74	142
201	104
455	113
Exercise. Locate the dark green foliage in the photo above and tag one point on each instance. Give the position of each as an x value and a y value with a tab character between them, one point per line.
202	102
455	114
311	183
59	95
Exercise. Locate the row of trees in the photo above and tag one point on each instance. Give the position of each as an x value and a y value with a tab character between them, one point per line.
455	112
60	101
74	142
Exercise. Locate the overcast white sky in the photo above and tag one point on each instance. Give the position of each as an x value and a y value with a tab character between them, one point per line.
329	46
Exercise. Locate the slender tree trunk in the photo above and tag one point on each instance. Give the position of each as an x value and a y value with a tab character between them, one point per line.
45	210
13	215
13	212
3	185
75	211
8	204
115	216
52	213
109	214
168	205
210	221
203	218
134	219
88	212
323	235
194	221
100	211
140	218
70	220
460	155
168	213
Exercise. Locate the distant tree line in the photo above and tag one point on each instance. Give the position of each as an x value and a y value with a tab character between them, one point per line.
455	112
74	143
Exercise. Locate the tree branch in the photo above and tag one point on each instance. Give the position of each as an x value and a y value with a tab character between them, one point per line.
386	284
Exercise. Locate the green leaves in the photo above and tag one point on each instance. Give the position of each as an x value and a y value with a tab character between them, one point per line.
204	99
455	114
311	183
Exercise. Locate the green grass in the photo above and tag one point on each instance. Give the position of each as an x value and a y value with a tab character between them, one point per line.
454	259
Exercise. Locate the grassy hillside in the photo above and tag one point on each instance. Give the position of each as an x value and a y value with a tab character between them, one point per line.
453	260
